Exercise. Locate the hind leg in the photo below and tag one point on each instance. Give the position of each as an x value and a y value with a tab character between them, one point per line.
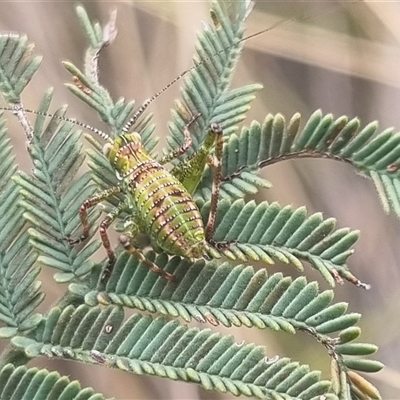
126	243
216	166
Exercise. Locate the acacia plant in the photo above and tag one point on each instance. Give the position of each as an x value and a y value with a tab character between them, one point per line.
39	210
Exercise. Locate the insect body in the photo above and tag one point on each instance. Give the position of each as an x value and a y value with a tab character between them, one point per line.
158	202
166	209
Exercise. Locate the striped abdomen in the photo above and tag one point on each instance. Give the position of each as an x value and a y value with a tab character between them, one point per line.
167	211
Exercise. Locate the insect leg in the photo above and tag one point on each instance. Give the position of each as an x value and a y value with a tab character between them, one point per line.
104	225
216	166
83	215
185	146
127	245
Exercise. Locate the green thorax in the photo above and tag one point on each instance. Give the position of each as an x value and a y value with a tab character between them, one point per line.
126	153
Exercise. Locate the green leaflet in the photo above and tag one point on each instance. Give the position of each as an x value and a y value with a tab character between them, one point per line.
20	293
231	297
188	354
56	152
270	232
263	144
17	65
25	384
205	88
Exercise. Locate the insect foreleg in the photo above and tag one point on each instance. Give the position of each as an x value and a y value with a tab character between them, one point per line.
185	146
126	243
83	215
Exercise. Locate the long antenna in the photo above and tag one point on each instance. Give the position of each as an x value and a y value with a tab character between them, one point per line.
283	22
73	121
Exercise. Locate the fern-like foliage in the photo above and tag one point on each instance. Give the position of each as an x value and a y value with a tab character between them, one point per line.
19	290
233	297
51	196
33	383
268	232
205	89
88	323
373	155
87	87
100	336
17	65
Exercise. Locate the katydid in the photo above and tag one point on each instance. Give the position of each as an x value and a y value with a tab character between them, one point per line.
159	202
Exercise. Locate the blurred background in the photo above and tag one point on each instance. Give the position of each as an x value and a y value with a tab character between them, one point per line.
344	61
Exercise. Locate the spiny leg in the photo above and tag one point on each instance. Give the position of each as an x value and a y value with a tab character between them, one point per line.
185	146
83	215
127	245
216	166
104	225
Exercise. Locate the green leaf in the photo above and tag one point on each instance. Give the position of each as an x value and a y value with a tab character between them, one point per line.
143	345
23	383
290	237
17	65
19	288
363	365
52	198
205	88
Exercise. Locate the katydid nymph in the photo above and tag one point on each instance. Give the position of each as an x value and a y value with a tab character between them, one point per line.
164	209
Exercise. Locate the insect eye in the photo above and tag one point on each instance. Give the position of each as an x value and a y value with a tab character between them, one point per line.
106	148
